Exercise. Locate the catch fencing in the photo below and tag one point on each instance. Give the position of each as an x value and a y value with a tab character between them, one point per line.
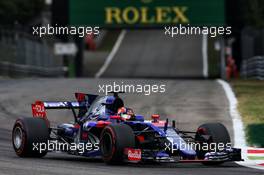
21	54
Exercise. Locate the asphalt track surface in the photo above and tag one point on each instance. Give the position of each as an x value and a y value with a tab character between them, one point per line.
150	53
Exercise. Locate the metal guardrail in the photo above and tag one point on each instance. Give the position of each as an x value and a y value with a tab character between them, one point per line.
19	70
253	68
21	54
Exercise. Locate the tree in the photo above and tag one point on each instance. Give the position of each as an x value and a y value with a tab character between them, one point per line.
17	11
255	13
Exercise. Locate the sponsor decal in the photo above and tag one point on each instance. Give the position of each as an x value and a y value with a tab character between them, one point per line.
38	110
133	154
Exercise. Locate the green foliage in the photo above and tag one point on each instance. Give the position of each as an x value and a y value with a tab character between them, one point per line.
250	95
253	12
255	134
19	11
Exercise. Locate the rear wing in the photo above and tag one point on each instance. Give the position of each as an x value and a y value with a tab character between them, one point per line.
39	107
83	102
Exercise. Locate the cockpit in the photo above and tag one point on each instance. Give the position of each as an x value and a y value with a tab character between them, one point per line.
103	107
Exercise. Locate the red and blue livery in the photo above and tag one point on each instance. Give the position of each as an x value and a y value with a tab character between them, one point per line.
117	135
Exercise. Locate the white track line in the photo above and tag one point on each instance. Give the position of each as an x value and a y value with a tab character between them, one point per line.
238	129
205	55
112	54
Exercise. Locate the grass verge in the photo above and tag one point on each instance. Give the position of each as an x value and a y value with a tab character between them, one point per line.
250	95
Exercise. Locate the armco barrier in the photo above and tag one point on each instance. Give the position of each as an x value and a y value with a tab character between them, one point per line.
18	70
253	68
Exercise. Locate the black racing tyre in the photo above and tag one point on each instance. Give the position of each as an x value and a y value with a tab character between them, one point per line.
113	140
27	133
218	134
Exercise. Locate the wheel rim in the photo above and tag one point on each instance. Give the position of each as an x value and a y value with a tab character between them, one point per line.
17	139
107	144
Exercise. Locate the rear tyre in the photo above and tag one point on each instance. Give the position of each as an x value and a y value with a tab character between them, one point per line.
113	140
218	135
28	134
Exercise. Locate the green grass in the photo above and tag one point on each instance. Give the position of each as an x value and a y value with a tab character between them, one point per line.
250	95
256	157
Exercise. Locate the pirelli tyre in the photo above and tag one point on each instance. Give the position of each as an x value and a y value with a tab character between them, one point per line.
28	134
212	134
114	138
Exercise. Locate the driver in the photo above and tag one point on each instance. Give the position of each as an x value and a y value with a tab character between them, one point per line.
126	113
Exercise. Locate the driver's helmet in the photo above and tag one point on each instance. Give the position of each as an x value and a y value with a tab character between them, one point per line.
126	113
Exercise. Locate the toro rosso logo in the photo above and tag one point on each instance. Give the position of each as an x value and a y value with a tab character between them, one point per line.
38	110
133	154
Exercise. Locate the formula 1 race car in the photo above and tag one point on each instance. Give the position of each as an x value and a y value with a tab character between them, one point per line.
104	128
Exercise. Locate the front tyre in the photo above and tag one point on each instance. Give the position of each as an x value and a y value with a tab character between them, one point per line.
217	133
114	139
28	134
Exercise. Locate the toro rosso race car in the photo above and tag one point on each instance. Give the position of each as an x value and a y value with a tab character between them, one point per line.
104	128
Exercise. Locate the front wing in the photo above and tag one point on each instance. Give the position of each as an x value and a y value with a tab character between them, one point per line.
138	155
